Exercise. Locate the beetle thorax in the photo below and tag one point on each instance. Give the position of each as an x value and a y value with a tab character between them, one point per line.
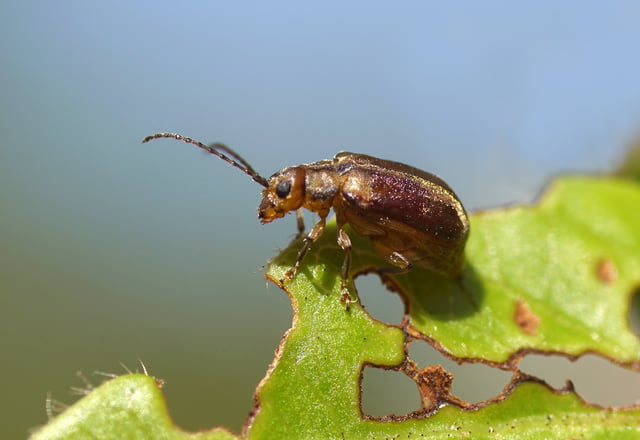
322	185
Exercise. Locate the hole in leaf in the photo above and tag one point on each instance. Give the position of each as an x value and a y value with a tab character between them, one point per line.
634	311
596	380
387	392
381	304
471	382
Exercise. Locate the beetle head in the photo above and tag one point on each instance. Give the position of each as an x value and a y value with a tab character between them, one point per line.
284	193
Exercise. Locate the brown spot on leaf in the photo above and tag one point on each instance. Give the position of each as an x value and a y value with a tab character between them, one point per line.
525	318
434	385
606	271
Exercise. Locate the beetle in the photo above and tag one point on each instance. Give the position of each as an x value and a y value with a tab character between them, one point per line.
411	216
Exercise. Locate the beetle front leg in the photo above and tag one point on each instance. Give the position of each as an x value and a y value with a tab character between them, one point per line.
345	243
311	237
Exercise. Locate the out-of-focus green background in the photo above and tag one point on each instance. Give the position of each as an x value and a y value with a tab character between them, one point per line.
112	251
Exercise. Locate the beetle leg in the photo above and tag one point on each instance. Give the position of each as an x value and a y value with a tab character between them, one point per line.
345	243
300	219
308	240
400	262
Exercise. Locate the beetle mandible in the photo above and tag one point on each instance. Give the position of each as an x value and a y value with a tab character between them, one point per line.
411	216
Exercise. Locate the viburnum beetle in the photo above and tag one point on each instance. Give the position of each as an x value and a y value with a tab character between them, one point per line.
411	216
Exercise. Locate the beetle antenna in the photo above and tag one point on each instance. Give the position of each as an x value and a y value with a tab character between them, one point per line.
216	149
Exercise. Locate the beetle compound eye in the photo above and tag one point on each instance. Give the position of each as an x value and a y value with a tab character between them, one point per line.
283	188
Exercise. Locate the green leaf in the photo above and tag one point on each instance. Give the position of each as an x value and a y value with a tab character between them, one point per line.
556	277
532	411
545	261
128	407
572	261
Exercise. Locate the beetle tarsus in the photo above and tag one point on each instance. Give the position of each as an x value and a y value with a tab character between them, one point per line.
289	275
345	296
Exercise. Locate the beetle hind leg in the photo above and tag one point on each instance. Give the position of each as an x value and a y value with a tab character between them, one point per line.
400	264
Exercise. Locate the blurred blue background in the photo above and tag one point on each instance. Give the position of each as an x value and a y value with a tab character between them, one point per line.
113	251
